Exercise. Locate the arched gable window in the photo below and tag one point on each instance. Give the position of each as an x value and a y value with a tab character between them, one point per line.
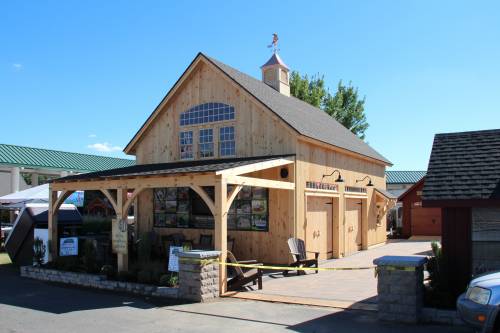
207	113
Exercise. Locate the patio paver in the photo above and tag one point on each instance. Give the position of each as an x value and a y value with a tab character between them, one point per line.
350	286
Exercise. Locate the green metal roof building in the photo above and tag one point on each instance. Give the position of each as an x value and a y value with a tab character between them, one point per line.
36	158
22	167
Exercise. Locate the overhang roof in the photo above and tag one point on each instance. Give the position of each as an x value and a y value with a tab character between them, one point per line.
387	195
30	157
304	118
464	166
198	166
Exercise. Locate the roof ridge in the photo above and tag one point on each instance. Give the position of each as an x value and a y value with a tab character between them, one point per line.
497	130
65	152
321	113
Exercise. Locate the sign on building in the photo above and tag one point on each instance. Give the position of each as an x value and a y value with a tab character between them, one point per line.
119	235
68	246
76	198
173	259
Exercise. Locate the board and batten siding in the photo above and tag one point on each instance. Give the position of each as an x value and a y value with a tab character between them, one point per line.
257	132
312	162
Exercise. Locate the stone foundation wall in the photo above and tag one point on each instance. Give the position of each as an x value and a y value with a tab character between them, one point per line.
97	282
199	275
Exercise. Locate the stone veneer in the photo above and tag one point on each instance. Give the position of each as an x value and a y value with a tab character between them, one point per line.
199	275
400	288
97	281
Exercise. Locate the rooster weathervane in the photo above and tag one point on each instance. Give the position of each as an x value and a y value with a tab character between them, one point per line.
274	43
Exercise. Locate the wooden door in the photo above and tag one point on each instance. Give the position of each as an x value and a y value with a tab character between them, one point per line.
352	226
319	226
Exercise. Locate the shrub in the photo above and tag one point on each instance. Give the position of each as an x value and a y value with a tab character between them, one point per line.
109	271
438	294
144	248
95	225
125	276
174	281
169	280
39	251
144	276
71	264
89	258
164	280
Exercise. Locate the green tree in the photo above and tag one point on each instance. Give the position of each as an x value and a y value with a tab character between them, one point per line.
312	91
345	105
347	108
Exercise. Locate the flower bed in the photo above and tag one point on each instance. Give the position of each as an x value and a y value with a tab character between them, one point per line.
97	282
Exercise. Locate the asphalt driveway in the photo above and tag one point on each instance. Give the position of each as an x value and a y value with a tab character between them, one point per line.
34	306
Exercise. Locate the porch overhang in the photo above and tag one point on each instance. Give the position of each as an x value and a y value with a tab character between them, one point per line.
122	186
385	200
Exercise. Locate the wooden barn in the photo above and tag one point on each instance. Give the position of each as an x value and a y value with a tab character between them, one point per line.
227	155
463	180
418	220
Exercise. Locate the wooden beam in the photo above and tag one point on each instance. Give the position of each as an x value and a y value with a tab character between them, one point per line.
231	196
203	194
221	229
256	166
146	182
121	199
60	200
260	182
112	200
52	225
132	198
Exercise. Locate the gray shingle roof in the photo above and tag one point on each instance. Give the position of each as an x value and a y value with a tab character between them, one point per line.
404	177
174	167
464	166
303	117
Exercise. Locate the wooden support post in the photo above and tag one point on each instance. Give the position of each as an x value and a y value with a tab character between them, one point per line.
52	224
365	209
340	212
221	229
121	200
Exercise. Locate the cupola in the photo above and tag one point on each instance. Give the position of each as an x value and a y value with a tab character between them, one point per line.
276	74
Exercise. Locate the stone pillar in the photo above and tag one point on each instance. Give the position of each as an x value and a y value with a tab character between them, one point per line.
400	288
199	275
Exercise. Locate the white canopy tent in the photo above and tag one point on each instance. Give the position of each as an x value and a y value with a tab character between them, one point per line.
36	194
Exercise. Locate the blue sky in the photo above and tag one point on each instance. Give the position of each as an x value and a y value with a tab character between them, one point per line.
84	75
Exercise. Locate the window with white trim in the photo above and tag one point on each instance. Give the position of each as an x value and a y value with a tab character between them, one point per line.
227	145
206	113
206	143
186	145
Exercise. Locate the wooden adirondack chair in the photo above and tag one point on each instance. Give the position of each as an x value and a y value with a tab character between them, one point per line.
298	251
241	277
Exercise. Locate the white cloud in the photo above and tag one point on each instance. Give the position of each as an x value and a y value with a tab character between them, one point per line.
104	147
92	136
17	66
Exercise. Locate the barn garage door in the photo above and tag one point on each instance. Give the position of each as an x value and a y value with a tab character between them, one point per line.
425	221
352	226
319	226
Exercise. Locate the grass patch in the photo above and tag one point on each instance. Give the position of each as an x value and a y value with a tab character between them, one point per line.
4	259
